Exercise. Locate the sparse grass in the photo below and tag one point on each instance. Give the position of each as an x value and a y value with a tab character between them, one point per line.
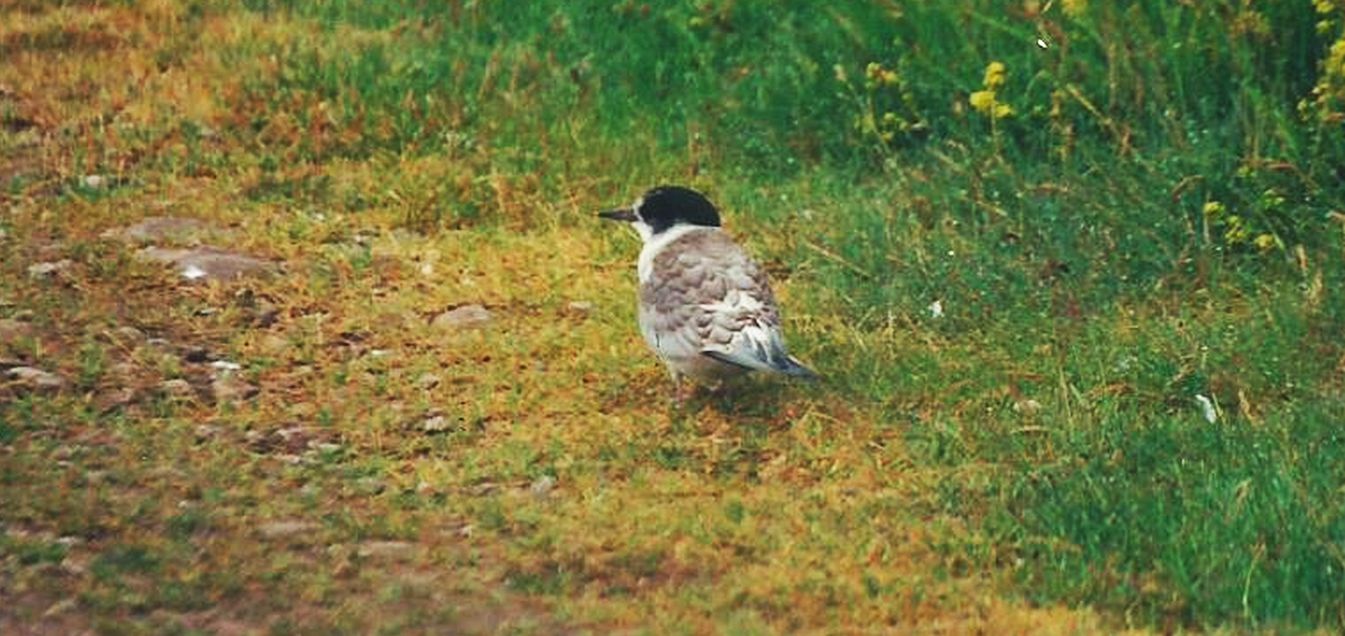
1144	207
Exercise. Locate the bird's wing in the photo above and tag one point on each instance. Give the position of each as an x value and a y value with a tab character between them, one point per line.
708	297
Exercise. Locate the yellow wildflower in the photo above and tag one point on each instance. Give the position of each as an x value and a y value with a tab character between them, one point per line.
994	75
1236	232
985	102
873	71
1074	8
982	101
1324	6
1264	242
1214	209
1335	58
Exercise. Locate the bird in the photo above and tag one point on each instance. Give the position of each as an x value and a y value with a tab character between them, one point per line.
705	307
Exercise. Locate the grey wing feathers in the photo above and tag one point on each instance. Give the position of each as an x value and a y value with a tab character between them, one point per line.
712	299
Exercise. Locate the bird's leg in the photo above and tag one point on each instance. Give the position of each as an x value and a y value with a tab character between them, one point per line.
680	392
717	389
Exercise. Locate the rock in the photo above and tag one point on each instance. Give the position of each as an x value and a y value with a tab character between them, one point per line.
114	398
207	263
95	181
177	388
163	229
228	388
36	379
543	486
464	317
579	308
128	336
49	269
286	528
196	355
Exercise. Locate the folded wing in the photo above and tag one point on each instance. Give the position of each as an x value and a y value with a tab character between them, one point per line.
708	297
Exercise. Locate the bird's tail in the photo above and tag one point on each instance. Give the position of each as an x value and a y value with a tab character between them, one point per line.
793	368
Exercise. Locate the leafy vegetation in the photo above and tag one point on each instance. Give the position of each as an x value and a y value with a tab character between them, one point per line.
1073	270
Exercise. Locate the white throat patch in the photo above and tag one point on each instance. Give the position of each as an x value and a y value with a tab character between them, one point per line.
654	244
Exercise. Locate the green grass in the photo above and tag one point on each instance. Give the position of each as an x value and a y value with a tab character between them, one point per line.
1159	218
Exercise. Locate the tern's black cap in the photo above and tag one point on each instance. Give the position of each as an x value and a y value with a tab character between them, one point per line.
669	205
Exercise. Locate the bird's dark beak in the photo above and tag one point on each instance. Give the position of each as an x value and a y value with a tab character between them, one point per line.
620	214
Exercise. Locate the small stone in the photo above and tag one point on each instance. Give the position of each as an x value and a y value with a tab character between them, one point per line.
427	381
231	389
114	398
543	486
94	181
36	379
323	447
370	485
1027	407
60	607
225	367
580	308
69	540
49	269
128	336
464	317
936	309
206	431
436	424
392	550
484	488
177	388
196	355
286	528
